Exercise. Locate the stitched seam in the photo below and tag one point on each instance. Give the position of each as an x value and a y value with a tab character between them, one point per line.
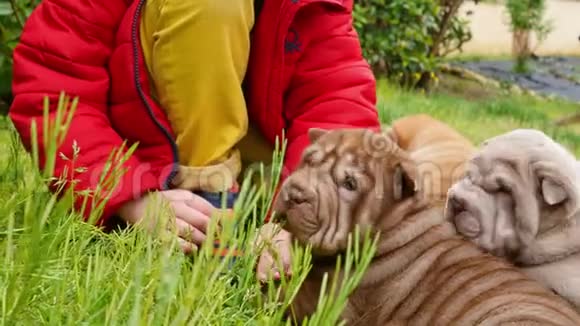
84	101
44	51
78	16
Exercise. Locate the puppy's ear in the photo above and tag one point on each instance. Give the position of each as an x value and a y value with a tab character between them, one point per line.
315	133
558	185
390	133
552	192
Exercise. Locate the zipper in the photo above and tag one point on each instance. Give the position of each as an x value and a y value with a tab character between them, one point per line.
134	35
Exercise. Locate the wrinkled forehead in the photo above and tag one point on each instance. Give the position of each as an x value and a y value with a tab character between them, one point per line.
352	147
528	137
519	149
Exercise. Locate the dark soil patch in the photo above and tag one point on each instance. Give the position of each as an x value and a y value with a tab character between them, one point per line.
559	76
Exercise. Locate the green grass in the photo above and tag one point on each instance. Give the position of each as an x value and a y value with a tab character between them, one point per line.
56	269
484	118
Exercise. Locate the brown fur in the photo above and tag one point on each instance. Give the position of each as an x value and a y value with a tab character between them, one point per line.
423	272
439	151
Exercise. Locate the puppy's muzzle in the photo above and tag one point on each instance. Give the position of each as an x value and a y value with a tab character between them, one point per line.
297	192
467	206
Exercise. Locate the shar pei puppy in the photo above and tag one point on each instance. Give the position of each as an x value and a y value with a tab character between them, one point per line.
423	272
520	200
439	153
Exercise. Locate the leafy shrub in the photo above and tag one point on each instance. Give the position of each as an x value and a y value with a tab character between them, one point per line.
405	39
526	17
396	36
13	14
527	14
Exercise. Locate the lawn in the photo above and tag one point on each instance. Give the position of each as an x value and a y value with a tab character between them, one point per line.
482	118
58	270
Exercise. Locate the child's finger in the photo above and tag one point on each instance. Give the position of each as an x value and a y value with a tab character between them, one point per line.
186	246
191	216
190	199
174	195
188	232
200	204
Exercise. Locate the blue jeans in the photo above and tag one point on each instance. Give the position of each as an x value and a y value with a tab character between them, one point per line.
216	200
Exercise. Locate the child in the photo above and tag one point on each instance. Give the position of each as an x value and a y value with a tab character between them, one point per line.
201	85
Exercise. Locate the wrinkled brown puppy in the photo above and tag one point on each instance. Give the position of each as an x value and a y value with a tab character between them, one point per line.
423	272
439	152
520	200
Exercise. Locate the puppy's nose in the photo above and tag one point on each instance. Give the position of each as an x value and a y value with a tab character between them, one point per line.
467	224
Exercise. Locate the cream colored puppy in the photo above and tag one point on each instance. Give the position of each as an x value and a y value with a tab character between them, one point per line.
520	200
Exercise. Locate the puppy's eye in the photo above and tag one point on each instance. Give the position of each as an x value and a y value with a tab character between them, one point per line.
502	186
349	183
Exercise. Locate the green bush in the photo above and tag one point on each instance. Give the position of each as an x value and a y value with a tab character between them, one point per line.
13	14
527	14
405	39
526	17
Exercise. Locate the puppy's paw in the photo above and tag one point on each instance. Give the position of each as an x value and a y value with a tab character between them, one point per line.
276	253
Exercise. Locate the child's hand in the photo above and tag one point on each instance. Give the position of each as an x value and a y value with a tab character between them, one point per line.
277	244
192	214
